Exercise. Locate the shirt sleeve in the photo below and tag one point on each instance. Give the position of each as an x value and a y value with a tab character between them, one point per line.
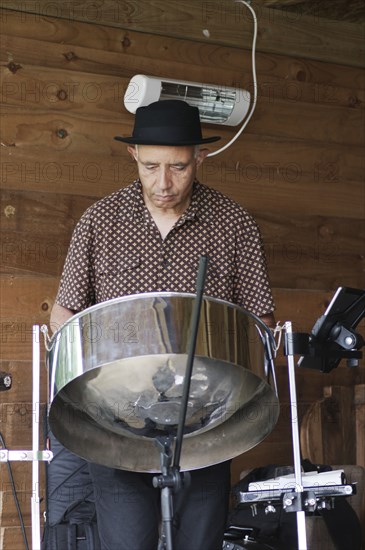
76	286
252	285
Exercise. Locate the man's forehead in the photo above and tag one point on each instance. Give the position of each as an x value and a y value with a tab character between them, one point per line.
162	153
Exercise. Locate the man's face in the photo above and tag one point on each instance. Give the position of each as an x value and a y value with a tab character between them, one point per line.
167	175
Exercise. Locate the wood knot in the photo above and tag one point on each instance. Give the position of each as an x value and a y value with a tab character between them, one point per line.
62	95
326	231
22	410
61	133
13	67
9	211
301	76
354	101
4	144
45	306
298	71
126	42
70	56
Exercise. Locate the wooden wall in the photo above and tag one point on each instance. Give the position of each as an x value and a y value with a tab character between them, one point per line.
298	168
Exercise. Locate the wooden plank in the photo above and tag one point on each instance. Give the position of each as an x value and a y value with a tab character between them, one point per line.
16	424
278	77
9	518
12	539
326	194
338	425
275	179
25	301
39	213
37	229
21	389
107	50
321	239
61	90
286	159
33	253
262	455
359	399
323	264
335	9
310	383
325	272
17	433
83	94
36	236
228	24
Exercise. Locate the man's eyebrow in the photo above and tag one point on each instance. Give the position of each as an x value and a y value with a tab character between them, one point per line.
155	163
179	163
148	162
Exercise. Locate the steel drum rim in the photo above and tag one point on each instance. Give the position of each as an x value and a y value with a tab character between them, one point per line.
163	294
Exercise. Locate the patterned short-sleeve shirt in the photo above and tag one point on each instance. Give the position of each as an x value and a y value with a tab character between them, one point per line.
117	250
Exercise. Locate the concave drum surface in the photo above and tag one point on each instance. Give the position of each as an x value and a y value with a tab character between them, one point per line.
116	374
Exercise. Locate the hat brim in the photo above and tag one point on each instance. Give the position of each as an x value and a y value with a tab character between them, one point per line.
141	141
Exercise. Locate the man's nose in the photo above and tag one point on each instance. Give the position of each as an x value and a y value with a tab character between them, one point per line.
164	179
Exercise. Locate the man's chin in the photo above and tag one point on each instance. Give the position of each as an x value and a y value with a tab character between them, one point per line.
164	201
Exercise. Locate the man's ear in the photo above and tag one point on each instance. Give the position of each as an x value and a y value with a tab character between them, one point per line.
132	151
203	153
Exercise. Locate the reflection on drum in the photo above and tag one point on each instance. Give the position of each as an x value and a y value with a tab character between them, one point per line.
116	374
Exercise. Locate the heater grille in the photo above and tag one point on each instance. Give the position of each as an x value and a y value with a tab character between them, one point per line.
215	104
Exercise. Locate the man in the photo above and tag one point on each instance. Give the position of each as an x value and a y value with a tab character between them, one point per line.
149	237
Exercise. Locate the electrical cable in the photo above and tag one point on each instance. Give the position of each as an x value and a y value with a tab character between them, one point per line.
15	496
254	100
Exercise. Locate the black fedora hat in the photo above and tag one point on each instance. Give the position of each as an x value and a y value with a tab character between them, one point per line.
167	122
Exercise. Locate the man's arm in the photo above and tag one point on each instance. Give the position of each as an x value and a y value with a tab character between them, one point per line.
59	316
269	320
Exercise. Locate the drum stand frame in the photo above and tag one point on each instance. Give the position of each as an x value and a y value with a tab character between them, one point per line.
35	455
170	480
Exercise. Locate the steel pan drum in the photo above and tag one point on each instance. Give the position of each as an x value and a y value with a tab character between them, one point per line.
116	373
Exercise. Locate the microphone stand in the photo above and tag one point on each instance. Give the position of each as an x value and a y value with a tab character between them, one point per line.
171	479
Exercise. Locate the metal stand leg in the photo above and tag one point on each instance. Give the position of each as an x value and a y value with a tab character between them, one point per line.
35	502
301	527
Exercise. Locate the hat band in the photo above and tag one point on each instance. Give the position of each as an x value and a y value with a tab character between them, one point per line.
167	133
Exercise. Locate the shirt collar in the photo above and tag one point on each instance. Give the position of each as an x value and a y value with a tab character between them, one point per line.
132	205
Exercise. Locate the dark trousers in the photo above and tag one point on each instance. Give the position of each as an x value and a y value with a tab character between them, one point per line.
128	509
128	506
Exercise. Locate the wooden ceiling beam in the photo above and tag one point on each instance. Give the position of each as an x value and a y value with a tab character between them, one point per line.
216	22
